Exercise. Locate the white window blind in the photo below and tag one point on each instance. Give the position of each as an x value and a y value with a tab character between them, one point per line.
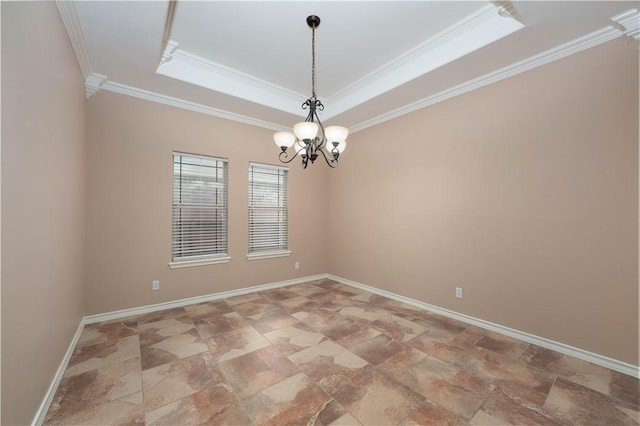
268	215
199	228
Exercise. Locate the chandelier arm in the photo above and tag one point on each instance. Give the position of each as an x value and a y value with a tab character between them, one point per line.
333	163
285	155
323	141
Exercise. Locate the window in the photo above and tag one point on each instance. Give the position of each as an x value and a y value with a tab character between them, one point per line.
199	229
268	235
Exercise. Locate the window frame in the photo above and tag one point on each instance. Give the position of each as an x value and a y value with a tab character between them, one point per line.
199	259
275	252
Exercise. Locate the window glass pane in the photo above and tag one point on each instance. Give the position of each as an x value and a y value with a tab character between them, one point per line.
267	208
199	227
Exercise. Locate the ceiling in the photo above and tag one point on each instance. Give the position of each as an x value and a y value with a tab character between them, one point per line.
251	61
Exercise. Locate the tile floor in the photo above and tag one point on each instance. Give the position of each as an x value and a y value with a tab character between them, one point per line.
323	353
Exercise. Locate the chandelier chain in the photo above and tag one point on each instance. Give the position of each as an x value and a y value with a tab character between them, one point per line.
313	62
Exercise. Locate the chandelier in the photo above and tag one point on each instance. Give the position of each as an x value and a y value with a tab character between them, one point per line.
310	137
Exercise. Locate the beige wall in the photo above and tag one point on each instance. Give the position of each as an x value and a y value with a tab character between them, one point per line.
129	185
524	193
43	159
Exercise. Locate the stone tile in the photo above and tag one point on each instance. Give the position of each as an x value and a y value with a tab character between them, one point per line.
207	309
503	345
398	328
279	294
170	382
345	420
294	338
332	414
483	419
212	405
373	398
159	347
329	323
213	325
256	371
364	314
332	300
440	383
572	403
255	309
438	322
161	315
308	290
108	331
293	401
235	343
244	298
296	304
432	414
578	371
512	410
443	349
108	394
496	368
323	353
272	320
91	357
375	349
625	388
152	332
328	363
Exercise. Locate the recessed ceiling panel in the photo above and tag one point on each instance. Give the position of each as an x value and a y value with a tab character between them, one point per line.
359	54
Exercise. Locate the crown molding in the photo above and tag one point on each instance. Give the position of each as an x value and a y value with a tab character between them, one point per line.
577	45
123	89
184	66
630	22
93	84
71	23
623	24
474	32
168	49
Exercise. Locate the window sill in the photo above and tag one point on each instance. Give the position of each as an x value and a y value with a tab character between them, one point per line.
199	262
268	254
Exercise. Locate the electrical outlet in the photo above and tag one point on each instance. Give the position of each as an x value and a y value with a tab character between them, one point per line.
297	265
155	285
459	292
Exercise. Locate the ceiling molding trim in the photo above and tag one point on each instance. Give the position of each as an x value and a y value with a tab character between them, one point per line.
577	45
168	49
93	84
188	105
71	23
630	22
190	68
477	30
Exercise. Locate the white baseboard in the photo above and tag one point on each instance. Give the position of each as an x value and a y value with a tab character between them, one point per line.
107	316
613	364
48	397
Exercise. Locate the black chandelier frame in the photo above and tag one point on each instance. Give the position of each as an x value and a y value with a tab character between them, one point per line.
308	148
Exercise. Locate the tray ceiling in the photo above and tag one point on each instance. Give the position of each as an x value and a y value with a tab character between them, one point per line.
251	61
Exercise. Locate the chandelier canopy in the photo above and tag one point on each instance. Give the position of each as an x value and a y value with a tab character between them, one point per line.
310	137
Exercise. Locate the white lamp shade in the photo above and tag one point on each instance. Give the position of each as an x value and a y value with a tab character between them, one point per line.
305	130
336	133
285	139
